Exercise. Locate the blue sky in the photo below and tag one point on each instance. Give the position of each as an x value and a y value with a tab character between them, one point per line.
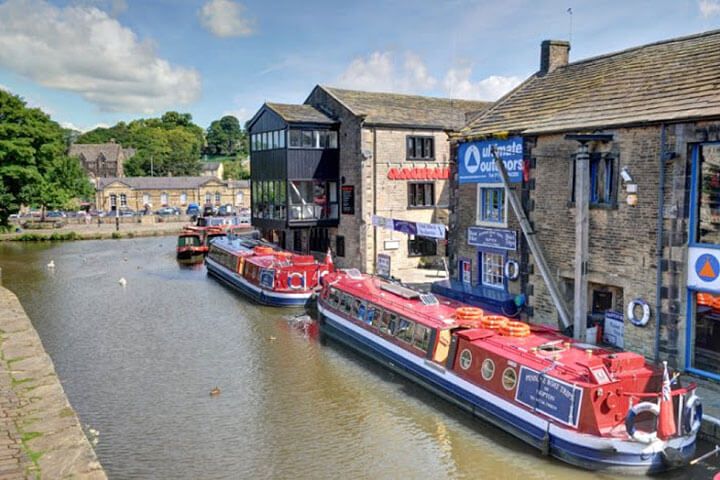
95	62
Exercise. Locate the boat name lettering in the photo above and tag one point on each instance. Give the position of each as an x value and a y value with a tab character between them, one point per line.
552	397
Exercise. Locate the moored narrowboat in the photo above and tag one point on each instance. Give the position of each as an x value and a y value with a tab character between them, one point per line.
190	248
264	274
587	406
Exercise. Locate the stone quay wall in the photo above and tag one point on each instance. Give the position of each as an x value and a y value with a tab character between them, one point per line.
40	433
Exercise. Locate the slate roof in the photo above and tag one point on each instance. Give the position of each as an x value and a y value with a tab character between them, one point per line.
670	80
293	113
91	151
406	110
209	166
238	183
157	183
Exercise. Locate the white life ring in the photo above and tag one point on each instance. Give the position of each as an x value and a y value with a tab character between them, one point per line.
634	433
692	415
642	321
512	270
296	286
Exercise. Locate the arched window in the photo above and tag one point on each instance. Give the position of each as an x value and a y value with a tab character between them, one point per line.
217	198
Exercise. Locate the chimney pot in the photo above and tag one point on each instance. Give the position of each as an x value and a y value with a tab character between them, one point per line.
553	54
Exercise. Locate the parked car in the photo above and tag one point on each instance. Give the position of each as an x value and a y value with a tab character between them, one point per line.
193	209
209	211
168	211
55	214
226	210
125	212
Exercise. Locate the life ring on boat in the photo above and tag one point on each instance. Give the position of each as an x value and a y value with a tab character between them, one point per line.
511	270
263	250
515	329
634	433
643	320
469	313
692	415
293	284
493	322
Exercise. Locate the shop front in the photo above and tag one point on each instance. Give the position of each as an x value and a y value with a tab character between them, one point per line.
703	268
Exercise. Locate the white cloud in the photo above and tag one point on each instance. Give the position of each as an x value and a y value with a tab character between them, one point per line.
72	126
380	71
82	49
241	113
225	18
709	8
113	7
457	84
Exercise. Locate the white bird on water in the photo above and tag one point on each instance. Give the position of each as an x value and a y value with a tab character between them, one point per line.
51	264
122	281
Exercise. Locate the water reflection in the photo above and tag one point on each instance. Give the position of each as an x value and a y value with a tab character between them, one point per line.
138	364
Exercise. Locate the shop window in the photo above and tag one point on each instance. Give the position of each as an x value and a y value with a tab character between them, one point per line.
491	274
421	194
340	246
420	148
491	206
706	335
708	201
603	180
421	247
313	200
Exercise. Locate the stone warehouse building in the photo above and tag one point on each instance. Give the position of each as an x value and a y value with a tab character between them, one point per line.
135	193
650	120
323	169
101	159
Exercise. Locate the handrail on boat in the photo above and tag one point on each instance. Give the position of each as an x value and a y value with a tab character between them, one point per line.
673	393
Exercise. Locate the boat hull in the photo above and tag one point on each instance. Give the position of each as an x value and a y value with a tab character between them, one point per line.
254	292
584	451
190	257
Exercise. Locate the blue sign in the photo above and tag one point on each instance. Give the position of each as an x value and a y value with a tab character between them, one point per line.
707	267
405	227
267	278
493	238
554	398
476	163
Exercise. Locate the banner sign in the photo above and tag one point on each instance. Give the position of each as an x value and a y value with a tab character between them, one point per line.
476	163
614	329
347	200
431	230
267	278
493	238
554	398
403	226
382	266
382	222
703	268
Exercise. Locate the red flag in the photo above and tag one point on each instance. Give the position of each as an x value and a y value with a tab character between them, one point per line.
666	419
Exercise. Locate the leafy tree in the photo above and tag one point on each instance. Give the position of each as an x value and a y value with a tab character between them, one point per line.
236	170
33	167
226	137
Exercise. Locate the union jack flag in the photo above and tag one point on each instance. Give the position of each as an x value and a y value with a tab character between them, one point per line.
666	389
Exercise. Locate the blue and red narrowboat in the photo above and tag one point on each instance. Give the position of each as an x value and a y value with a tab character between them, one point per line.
585	405
264	274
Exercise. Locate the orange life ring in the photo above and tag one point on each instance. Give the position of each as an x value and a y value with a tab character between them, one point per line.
494	322
515	329
263	250
469	313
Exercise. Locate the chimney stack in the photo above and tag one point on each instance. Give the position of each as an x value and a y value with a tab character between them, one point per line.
553	54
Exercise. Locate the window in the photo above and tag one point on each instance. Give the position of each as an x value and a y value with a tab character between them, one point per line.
313	200
509	378
281	135
123	200
603	180
420	148
146	199
183	198
340	246
421	194
708	198
297	241
217	198
421	246
113	201
421	337
706	333
405	330
488	369
295	141
319	240
239	198
492	269
373	314
491	206
208	198
465	359
312	139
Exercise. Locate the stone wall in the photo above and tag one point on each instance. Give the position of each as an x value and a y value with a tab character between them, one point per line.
136	198
43	431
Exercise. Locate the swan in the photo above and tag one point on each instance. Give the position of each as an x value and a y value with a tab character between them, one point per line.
122	281
51	264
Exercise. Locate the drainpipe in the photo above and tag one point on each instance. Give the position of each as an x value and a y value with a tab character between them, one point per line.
659	241
374	160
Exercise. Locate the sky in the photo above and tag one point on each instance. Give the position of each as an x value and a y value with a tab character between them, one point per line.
93	63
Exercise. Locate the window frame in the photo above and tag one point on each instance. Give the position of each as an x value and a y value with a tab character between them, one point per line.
415	238
412	194
610	192
482	273
423	140
480	206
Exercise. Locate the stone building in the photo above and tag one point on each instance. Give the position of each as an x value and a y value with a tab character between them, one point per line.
357	155
650	122
212	169
135	193
101	159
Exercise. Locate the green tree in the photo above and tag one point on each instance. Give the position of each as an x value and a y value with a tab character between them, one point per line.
33	167
236	170
226	137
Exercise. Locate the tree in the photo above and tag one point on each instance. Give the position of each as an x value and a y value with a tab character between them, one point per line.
236	170
33	167
226	137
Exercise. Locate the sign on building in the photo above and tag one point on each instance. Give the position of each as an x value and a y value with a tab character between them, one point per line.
382	267
704	269
476	163
614	329
347	199
501	238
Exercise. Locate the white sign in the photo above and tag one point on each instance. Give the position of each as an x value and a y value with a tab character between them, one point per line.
432	230
392	244
704	268
614	329
382	268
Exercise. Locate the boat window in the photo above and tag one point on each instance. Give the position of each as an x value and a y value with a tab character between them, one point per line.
333	298
488	369
509	378
347	303
363	312
421	338
405	330
356	309
391	323
465	359
373	315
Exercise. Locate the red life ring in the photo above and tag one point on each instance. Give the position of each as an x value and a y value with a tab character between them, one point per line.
296	280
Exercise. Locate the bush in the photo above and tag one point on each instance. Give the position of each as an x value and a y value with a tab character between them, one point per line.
116	235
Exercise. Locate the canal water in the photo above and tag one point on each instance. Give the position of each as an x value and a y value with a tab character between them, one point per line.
138	363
